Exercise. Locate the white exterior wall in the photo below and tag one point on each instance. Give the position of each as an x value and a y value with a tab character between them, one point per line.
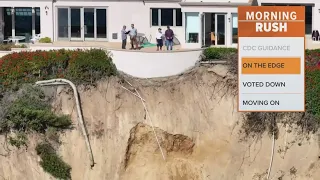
157	64
214	9
316	16
127	13
46	20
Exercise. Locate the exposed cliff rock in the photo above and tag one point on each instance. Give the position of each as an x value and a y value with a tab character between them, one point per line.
198	126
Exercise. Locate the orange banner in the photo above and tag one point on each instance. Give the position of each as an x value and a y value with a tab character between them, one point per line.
271	21
281	65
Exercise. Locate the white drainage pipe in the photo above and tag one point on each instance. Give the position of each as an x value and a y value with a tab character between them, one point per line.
80	117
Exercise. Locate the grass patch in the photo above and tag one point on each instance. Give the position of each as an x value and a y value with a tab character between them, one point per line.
8	47
211	54
20	140
52	163
45	40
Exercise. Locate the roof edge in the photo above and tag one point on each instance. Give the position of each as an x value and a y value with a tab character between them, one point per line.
213	4
123	1
26	0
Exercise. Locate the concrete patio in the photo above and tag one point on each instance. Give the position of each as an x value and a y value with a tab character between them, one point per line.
105	45
117	46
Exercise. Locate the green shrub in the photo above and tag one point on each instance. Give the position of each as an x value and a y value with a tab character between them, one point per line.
19	140
22	46
52	163
313	91
45	40
8	47
312	57
28	110
31	113
82	66
214	53
89	66
5	47
313	82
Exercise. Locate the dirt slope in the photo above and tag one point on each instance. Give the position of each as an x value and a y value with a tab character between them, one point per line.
197	125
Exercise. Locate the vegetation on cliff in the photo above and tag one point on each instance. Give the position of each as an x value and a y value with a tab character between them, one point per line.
79	66
256	123
25	109
51	162
28	111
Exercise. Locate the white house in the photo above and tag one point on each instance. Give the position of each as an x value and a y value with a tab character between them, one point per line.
196	23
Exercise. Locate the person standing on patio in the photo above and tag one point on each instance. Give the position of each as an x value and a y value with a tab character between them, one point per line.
124	34
159	38
133	37
169	38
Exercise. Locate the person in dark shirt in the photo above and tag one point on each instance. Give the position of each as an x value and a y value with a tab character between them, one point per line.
169	38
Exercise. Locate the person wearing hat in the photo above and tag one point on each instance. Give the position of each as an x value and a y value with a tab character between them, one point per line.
159	38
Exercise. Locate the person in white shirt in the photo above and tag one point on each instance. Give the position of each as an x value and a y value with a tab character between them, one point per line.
133	37
159	38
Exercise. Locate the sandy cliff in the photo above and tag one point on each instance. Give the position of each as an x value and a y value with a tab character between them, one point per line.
197	126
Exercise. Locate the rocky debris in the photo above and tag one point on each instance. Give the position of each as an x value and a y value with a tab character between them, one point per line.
142	139
220	70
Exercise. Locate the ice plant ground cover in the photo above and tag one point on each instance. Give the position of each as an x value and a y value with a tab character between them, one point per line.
85	66
313	82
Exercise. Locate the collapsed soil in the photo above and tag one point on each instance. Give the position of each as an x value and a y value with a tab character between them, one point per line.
197	124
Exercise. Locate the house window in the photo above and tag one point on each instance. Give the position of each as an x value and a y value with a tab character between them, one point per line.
178	17
154	17
37	20
7	23
166	17
234	28
23	21
192	27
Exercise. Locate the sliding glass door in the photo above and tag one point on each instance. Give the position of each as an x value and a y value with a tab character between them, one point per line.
63	23
82	24
23	21
101	32
89	24
220	29
75	24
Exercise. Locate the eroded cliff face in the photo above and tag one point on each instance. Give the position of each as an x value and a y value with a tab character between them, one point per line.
197	124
